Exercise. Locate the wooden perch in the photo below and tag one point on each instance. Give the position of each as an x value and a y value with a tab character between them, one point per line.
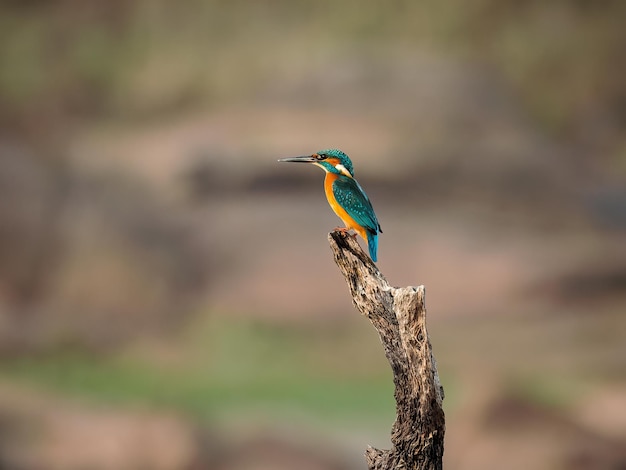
399	316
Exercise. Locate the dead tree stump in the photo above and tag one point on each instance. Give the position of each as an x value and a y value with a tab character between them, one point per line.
399	316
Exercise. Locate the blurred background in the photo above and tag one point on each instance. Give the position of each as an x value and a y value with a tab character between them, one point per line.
168	299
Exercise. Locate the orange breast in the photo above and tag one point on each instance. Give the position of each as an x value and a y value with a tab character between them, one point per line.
340	211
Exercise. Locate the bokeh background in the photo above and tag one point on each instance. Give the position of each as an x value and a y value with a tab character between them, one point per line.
168	299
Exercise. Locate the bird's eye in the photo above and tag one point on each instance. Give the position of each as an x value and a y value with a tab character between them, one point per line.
321	156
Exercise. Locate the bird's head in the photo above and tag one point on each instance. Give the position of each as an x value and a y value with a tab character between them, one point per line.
330	160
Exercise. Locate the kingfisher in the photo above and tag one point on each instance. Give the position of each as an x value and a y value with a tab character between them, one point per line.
345	195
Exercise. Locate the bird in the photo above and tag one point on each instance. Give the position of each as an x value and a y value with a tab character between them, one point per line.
345	195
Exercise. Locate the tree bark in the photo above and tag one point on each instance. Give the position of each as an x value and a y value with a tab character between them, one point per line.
399	316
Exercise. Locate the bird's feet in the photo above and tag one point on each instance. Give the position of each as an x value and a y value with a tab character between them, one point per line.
345	230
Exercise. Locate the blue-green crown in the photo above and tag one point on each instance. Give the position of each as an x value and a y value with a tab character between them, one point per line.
343	158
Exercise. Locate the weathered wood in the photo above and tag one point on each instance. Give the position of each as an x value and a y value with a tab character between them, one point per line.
399	316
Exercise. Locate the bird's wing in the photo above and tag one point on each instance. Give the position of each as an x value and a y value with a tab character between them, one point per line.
355	202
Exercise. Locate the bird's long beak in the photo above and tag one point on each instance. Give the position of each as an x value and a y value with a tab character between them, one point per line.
303	159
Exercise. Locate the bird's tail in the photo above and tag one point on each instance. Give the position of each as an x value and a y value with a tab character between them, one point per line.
372	244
